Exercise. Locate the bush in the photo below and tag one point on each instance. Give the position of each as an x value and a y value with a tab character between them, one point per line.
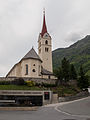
30	83
5	82
48	85
83	82
18	81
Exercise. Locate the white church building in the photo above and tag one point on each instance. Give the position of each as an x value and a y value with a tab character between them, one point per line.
35	65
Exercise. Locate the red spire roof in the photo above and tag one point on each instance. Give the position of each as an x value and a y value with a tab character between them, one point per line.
44	28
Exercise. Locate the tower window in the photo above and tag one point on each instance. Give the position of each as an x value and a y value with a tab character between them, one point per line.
49	77
46	49
46	42
26	69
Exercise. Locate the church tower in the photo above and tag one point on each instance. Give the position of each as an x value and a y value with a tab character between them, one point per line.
45	47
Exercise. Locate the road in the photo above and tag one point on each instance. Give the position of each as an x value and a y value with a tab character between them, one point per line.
77	110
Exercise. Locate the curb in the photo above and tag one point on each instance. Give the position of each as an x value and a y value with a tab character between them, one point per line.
18	108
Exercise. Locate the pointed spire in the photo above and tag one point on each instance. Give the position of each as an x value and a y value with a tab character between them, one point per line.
44	28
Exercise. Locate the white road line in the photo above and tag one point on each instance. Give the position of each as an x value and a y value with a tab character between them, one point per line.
56	108
85	116
63	103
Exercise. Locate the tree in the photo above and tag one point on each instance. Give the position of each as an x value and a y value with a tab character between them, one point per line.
73	74
65	69
83	80
58	74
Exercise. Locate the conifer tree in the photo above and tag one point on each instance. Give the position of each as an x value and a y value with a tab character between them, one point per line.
73	74
83	80
65	69
58	74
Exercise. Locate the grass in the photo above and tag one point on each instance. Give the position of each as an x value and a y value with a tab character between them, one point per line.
61	90
19	87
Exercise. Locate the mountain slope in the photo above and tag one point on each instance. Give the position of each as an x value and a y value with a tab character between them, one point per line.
78	54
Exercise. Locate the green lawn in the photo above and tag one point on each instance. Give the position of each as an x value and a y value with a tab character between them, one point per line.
18	87
61	90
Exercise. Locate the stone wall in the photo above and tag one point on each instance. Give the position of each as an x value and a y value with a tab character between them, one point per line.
70	98
37	80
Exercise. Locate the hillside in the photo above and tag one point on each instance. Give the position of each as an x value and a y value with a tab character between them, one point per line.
78	54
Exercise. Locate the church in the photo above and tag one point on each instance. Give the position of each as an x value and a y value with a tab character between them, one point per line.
35	65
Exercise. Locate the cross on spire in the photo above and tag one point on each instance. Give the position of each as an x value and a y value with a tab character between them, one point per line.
44	28
44	11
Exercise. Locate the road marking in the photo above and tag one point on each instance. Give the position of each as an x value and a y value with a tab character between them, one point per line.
56	108
85	116
63	103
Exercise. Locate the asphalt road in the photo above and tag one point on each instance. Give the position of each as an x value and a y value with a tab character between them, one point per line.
77	108
69	111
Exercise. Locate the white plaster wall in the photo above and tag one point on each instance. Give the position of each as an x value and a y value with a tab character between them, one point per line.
16	71
46	57
31	63
20	69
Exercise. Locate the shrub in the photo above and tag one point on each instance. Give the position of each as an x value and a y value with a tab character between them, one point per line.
30	83
18	81
5	82
48	85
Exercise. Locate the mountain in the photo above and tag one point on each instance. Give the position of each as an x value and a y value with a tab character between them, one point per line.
78	54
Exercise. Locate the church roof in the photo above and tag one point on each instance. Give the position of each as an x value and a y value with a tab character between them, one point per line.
32	55
44	28
45	72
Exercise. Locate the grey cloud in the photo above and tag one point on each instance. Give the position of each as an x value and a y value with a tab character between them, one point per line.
21	22
73	37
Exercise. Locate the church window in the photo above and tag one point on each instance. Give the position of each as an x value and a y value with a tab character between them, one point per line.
40	44
39	70
46	49
26	69
34	70
39	51
33	64
46	42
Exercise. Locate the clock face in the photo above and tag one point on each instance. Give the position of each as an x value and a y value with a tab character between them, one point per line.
46	35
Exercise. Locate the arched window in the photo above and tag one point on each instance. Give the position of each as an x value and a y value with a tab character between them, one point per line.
49	77
26	69
46	49
46	42
39	70
39	51
40	44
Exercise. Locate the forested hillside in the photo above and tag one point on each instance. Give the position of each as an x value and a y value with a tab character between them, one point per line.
78	54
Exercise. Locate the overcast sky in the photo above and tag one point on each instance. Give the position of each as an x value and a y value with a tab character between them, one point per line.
21	22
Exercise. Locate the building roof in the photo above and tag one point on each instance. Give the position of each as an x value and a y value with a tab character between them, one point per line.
44	28
45	72
32	55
